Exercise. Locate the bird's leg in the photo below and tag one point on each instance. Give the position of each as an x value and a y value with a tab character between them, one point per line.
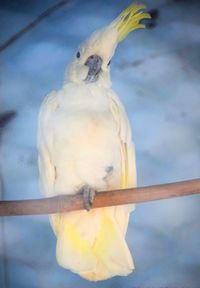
88	196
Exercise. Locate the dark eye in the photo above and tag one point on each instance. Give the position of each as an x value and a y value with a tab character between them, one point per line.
109	63
78	54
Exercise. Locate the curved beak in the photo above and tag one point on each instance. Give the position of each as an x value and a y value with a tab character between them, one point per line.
94	63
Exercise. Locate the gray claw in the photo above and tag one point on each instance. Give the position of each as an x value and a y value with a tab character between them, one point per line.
88	196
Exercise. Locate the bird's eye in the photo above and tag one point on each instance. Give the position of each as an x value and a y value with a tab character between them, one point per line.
78	54
109	63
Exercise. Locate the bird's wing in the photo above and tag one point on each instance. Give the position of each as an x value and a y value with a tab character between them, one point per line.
47	168
128	163
127	147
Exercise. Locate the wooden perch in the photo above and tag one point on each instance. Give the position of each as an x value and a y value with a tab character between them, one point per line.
64	203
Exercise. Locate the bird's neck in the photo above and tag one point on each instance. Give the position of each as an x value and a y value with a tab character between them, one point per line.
84	96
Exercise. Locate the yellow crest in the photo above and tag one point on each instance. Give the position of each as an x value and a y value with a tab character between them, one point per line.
129	20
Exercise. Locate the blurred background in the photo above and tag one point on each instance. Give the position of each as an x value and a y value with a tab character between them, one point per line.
156	72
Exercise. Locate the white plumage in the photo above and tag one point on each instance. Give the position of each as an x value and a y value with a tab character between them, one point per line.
84	138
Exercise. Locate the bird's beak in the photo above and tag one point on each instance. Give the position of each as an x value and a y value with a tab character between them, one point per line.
129	20
94	63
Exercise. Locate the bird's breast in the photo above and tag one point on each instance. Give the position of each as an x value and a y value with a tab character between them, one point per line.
85	142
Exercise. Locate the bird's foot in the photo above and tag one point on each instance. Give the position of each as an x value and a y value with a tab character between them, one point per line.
88	196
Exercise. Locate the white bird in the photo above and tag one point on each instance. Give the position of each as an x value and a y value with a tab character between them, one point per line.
85	145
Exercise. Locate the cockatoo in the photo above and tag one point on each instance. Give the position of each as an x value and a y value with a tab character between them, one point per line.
85	145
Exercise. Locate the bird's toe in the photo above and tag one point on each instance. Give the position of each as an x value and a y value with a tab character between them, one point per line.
88	196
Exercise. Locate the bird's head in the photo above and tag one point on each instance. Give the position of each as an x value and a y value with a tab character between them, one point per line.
91	62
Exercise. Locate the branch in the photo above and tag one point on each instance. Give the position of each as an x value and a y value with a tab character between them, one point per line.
32	24
64	203
6	117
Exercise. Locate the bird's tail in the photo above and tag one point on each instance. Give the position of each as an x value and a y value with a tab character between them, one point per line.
92	244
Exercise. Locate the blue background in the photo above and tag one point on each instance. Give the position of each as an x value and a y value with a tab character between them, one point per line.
156	72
